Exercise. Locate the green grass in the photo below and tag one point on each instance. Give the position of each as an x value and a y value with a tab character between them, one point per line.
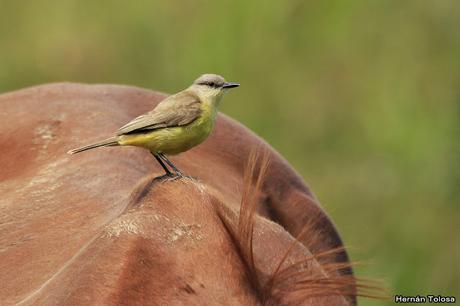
362	97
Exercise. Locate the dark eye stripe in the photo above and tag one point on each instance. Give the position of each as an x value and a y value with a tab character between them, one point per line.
211	84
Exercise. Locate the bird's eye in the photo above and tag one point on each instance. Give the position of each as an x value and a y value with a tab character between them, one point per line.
210	84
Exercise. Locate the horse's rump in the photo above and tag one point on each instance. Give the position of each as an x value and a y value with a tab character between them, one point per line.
97	228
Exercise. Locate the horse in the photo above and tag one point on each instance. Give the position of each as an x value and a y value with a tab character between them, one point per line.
101	228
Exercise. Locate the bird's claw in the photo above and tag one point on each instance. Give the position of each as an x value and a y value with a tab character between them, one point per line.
174	176
168	177
180	175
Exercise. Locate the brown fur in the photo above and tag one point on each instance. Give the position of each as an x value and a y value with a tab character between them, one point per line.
98	229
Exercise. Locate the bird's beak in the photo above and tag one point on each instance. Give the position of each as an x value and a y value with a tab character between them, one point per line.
230	85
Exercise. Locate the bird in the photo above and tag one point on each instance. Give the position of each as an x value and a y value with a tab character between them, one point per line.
177	124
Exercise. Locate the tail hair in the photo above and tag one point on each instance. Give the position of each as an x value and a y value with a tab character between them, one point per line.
112	141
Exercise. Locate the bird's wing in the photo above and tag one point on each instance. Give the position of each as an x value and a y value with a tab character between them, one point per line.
179	109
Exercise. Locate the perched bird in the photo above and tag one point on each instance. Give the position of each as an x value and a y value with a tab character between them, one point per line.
175	125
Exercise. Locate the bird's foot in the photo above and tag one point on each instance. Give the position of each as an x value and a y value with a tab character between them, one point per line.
180	175
168	177
172	176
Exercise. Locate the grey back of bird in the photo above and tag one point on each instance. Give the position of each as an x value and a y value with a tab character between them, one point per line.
177	110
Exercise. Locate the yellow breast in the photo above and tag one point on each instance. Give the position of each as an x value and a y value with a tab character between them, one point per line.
175	140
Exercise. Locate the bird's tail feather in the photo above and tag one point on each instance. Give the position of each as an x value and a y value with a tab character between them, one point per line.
112	141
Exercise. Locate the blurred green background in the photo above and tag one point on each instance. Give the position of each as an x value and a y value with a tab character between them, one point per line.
362	97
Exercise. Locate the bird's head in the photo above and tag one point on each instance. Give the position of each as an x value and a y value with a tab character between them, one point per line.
211	87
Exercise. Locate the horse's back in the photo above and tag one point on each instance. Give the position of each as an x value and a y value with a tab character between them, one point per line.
96	227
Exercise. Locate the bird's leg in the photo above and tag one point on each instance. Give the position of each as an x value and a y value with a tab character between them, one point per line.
160	161
164	158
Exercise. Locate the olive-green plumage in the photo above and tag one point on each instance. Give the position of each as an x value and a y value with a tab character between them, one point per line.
177	124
